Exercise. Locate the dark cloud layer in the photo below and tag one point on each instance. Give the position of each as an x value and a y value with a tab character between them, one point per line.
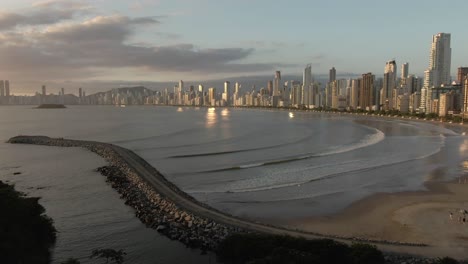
84	48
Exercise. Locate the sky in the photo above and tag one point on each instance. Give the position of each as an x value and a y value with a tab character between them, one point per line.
167	40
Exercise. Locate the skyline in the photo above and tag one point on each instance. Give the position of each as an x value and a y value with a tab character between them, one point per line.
157	41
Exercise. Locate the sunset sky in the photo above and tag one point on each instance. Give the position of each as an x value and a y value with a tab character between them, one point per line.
165	40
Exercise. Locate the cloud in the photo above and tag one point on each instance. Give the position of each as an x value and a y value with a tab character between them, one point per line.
101	44
44	13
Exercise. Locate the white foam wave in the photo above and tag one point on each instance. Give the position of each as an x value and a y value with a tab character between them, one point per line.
300	176
367	141
251	165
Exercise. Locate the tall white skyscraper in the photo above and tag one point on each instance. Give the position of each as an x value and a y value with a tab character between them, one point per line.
440	61
237	88
306	83
438	72
227	92
404	70
389	84
277	83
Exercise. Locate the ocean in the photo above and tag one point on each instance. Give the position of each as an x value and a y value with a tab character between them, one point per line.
270	166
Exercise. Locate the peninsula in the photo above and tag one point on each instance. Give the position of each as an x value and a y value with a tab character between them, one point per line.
51	106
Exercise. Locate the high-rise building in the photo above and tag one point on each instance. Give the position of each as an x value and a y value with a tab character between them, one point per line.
237	87
332	76
306	83
354	96
7	88
462	73
227	92
43	90
389	83
80	92
181	86
2	88
200	88
440	60
212	96
465	97
277	83
404	70
270	87
62	91
366	90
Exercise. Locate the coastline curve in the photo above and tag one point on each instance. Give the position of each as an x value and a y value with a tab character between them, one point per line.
163	206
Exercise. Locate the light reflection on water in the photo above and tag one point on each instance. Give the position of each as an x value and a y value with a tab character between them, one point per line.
225	114
211	117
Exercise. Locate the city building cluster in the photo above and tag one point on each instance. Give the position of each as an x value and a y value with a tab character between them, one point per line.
437	94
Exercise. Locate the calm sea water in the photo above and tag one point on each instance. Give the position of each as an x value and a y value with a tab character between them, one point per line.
272	166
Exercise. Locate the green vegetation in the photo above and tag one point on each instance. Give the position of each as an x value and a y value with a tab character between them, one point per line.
51	106
259	249
26	234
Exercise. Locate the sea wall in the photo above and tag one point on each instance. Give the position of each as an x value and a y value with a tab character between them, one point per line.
151	208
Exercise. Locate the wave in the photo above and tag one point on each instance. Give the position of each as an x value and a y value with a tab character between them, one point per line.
334	175
176	133
304	139
367	141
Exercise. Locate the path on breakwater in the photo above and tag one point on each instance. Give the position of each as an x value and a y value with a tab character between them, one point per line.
195	219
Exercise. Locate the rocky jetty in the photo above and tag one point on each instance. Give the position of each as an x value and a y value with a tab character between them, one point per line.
161	213
151	208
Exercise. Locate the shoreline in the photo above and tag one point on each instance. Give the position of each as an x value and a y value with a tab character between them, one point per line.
164	207
161	205
417	216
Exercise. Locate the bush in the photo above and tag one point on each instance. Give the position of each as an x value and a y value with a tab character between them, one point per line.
259	249
366	254
26	234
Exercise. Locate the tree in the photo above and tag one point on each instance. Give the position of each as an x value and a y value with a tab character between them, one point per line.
109	254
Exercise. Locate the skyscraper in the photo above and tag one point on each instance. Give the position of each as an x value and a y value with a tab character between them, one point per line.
404	70
7	88
389	83
366	89
277	83
306	83
227	92
440	59
43	90
332	74
354	96
462	72
2	88
212	96
465	97
237	88
270	87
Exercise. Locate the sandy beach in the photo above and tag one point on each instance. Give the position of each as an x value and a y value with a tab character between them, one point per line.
413	217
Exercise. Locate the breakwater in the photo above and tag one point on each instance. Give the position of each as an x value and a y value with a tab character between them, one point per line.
152	208
163	206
